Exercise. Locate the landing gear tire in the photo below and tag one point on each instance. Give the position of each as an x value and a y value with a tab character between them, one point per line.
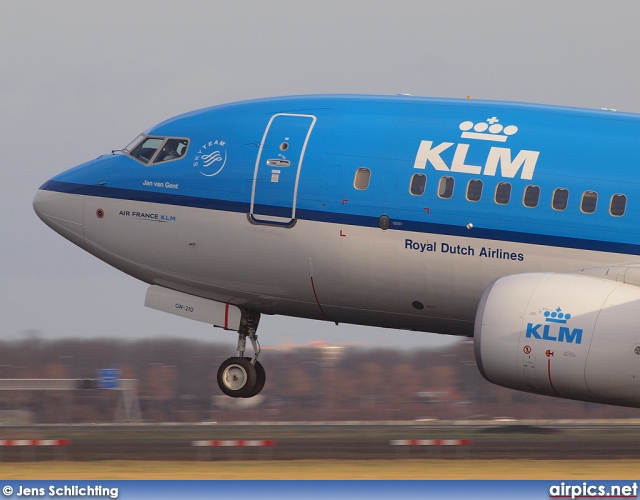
261	379
241	377
237	377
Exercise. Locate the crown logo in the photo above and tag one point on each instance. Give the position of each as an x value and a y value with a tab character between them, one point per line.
557	316
489	130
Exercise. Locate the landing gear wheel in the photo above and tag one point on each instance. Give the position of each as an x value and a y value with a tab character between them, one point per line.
261	379
237	377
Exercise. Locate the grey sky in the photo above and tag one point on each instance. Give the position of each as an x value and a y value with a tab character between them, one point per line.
79	78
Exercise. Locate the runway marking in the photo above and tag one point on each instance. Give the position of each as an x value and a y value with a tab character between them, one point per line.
430	442
233	443
34	442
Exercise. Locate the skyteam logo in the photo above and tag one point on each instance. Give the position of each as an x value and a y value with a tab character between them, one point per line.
499	159
211	158
551	329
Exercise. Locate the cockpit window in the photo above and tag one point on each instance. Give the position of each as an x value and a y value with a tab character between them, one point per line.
150	150
147	149
134	143
172	150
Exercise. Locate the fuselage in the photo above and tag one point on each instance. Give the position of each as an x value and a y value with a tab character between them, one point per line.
388	211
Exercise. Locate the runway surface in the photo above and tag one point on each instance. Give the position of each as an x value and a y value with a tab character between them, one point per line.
573	440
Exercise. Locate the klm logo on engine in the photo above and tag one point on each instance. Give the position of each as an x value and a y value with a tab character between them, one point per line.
552	329
498	159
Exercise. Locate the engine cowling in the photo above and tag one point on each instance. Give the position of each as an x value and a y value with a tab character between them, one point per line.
563	335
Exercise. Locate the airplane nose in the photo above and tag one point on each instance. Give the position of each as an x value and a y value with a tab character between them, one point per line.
62	212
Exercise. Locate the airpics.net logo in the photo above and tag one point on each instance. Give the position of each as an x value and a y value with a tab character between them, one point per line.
499	160
211	157
591	490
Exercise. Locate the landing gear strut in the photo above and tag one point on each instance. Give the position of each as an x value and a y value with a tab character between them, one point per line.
239	376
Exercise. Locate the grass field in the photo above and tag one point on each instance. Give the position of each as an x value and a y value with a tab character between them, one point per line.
328	469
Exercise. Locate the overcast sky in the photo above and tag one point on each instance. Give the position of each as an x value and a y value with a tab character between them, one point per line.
79	78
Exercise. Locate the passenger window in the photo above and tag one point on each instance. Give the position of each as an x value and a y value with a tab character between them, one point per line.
418	184
147	149
503	193
560	199
445	187
361	182
618	205
589	202
531	196
474	190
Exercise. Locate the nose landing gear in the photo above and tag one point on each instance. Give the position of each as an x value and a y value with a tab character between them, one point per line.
239	376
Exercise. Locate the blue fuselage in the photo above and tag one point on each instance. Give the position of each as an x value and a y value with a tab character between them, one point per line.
393	211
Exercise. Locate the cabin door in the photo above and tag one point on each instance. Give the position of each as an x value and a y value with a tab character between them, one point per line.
278	166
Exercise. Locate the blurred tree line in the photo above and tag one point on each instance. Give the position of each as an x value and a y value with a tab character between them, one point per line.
177	383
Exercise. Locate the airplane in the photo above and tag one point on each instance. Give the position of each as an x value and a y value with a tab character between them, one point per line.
515	224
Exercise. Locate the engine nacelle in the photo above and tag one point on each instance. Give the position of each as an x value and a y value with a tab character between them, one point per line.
563	335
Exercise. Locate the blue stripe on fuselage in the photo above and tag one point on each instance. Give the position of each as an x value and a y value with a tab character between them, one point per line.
349	219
